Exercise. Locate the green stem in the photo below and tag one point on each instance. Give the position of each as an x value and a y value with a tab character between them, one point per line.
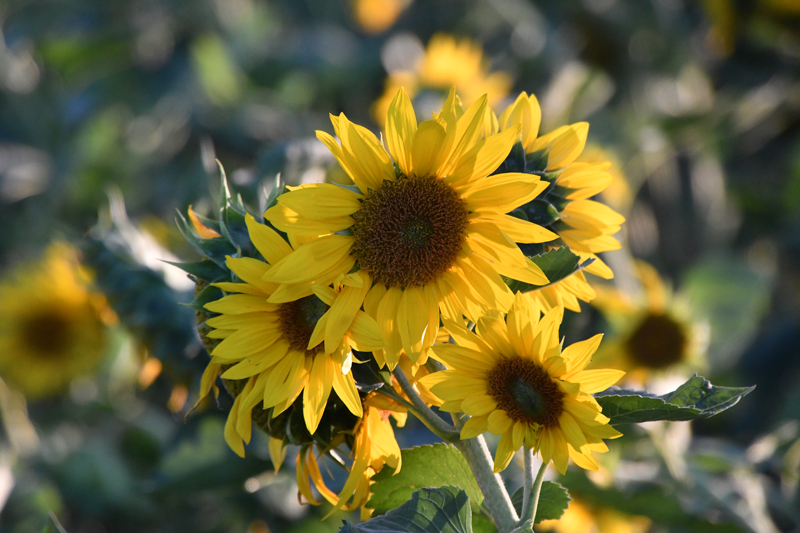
494	492
533	487
423	412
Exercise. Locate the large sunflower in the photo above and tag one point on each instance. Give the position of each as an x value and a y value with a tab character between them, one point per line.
301	345
512	377
53	328
586	226
430	229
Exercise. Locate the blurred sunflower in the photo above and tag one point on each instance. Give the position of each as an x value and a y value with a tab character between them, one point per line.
585	225
654	334
512	377
373	447
447	62
583	518
431	232
301	344
53	327
375	16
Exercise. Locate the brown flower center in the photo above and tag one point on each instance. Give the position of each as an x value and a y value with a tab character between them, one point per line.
298	320
526	392
658	342
409	231
47	334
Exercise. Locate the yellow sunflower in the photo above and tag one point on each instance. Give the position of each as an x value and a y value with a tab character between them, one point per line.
512	377
374	446
431	232
586	226
53	327
447	62
585	518
282	349
655	333
375	16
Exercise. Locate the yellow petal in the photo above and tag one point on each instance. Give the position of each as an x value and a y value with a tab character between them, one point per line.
504	454
479	405
503	192
343	312
311	260
387	321
345	389
517	229
401	125
317	391
483	159
428	146
473	427
493	330
577	355
240	304
289	221
267	241
565	144
499	422
277	452
365	333
412	321
592	381
320	201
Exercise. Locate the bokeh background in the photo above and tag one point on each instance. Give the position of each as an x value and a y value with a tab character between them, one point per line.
112	115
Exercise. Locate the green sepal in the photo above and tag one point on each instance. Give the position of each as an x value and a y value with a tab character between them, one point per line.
515	162
271	197
541	212
205	270
697	398
442	510
536	162
553	501
423	466
232	216
215	249
207	295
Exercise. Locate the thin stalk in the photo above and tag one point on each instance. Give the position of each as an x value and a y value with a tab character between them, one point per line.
533	487
494	492
423	412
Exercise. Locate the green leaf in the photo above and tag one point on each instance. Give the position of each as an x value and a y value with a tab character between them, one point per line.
423	466
697	398
442	510
557	264
553	501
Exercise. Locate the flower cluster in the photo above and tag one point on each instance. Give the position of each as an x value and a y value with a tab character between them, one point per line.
440	229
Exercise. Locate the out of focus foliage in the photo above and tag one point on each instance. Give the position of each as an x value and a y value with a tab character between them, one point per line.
698	103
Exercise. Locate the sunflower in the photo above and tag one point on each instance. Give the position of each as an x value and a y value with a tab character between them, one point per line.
512	377
375	16
53	327
282	349
656	333
374	446
431	232
447	62
582	517
586	226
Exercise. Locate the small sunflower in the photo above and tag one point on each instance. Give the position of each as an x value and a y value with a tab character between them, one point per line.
512	377
431	232
585	225
376	16
447	62
582	517
656	332
373	447
53	327
282	349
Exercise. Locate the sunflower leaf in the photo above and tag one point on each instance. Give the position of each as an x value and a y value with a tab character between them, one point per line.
553	501
423	466
697	398
441	510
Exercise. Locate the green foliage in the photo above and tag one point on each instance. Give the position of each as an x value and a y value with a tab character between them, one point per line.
553	501
423	466
442	510
697	398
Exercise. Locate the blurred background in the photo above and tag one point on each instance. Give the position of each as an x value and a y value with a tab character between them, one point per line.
111	117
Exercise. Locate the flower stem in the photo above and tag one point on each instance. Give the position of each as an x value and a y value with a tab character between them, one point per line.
423	412
494	492
533	487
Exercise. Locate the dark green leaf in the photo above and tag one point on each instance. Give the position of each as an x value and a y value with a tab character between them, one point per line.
442	510
553	501
697	398
541	212
208	294
423	466
557	264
